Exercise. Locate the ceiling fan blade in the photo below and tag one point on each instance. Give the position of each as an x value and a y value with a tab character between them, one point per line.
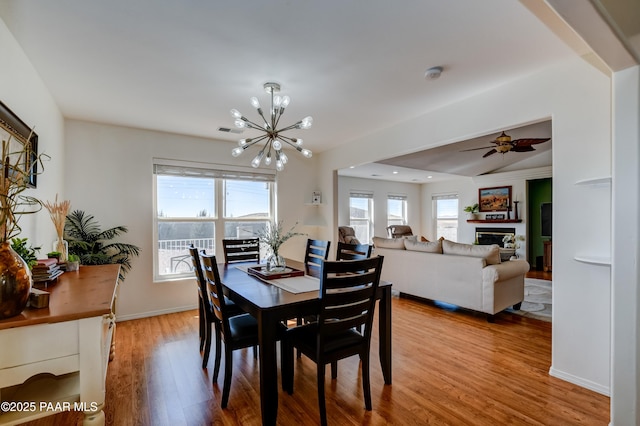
525	148
529	141
476	149
493	151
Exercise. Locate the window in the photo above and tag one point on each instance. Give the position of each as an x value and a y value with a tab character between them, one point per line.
361	215
446	207
201	206
396	210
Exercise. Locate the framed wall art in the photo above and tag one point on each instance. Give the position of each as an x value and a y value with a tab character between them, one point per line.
19	136
496	199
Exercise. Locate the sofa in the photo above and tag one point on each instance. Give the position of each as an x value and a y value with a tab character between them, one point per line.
466	275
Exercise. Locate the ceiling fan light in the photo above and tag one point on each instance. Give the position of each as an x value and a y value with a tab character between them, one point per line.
503	138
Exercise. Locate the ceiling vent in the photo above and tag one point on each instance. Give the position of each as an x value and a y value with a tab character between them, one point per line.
228	130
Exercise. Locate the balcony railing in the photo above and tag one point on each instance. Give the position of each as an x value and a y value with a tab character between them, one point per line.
173	255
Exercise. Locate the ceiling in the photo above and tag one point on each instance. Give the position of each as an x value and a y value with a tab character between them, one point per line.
356	67
461	159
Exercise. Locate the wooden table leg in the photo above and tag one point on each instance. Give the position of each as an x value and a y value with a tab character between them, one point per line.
268	368
384	330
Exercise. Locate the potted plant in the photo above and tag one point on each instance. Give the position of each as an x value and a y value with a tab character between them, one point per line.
95	246
472	211
73	262
26	252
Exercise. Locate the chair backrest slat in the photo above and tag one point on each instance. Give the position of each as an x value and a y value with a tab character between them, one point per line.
241	250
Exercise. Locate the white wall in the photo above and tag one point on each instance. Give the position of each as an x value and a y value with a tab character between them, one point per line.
109	175
577	97
22	90
380	189
625	365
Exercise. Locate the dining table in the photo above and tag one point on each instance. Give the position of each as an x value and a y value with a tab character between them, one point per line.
271	305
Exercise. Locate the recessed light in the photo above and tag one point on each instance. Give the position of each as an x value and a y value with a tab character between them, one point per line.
395	172
352	167
429	177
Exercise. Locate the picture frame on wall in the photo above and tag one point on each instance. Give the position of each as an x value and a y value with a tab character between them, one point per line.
495	199
14	130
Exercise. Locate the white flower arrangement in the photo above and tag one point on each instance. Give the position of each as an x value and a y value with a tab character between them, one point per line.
273	237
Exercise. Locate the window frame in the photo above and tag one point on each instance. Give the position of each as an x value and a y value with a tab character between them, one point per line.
220	175
453	220
405	208
370	220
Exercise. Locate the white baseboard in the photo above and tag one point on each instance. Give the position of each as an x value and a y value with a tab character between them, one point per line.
604	390
120	318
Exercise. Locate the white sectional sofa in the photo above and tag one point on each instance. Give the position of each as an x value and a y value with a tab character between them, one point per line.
466	275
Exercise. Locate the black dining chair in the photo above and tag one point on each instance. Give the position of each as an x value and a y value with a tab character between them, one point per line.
241	249
237	332
353	251
347	300
317	252
206	317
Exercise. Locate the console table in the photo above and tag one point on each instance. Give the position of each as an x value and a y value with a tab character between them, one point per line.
55	359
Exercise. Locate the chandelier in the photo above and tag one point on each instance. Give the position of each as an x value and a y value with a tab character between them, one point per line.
272	137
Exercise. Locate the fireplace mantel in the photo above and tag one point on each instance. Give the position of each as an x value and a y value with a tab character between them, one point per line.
494	221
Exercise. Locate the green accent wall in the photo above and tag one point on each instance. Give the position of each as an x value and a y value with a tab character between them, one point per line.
538	192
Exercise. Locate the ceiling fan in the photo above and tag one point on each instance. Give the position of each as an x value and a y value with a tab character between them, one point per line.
503	144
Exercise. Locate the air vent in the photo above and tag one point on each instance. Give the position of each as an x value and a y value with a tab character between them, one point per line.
228	130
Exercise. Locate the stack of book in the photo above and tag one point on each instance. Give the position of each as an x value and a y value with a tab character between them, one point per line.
46	271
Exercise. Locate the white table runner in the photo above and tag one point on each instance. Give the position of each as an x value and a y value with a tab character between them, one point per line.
296	285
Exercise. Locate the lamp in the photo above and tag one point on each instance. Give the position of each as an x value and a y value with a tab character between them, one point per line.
272	136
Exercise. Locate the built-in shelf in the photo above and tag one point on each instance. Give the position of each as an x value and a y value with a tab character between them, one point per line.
595	181
593	260
494	220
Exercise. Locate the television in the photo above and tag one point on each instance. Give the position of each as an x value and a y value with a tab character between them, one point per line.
545	219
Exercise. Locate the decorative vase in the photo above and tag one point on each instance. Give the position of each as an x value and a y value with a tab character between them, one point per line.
15	282
276	263
62	247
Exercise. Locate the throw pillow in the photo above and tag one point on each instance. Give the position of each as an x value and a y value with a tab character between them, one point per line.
490	253
393	243
410	237
424	240
427	247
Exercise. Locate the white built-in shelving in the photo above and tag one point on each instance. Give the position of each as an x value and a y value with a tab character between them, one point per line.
593	260
595	181
590	258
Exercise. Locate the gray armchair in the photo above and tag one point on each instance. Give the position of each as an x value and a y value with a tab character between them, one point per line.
347	234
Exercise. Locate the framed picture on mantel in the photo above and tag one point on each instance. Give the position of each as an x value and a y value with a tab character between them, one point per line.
496	199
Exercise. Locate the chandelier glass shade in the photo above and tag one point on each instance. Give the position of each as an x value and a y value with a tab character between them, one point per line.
271	140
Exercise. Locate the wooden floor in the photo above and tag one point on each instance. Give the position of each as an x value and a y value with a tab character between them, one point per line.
450	367
541	275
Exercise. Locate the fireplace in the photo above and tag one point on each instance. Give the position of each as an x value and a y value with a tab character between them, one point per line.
488	236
